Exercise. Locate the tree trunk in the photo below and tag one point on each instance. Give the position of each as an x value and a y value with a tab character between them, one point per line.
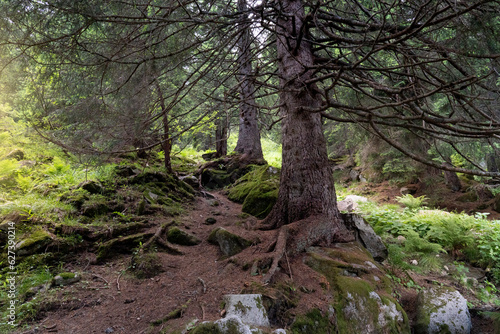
249	133
306	185
166	143
221	136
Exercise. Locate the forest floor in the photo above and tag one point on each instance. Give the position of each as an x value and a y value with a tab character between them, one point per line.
108	299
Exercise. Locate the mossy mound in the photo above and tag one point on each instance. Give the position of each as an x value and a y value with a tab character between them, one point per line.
229	243
34	242
177	236
257	190
124	245
145	265
225	171
360	289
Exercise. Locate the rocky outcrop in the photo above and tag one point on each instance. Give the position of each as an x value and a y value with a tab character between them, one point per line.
442	310
366	236
360	290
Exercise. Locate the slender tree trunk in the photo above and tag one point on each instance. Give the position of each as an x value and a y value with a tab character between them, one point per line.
307	185
221	136
166	143
249	133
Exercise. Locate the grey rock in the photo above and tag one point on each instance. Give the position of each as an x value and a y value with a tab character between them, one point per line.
366	235
191	180
350	203
442	310
249	308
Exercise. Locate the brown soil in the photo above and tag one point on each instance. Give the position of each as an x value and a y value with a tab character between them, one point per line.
109	299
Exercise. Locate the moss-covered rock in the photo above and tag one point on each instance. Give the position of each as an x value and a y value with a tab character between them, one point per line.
229	243
66	278
228	325
312	322
360	289
93	187
177	236
34	242
257	190
145	265
442	310
75	197
121	245
95	206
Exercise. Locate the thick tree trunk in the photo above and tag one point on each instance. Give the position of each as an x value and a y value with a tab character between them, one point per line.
307	185
249	133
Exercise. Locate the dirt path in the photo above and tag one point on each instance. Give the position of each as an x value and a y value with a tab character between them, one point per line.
110	300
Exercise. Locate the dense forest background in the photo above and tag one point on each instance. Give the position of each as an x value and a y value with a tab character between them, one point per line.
106	108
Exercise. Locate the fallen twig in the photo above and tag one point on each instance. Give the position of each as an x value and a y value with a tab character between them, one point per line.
118	281
99	276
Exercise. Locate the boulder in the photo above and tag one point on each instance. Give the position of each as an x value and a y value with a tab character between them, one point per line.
191	180
366	235
229	243
442	310
177	236
360	294
248	308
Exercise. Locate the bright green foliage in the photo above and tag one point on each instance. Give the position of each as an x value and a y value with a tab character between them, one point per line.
411	202
428	232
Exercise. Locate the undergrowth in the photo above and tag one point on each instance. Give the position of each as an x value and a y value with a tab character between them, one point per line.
420	234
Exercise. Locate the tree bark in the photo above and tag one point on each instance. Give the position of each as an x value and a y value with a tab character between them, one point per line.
306	185
249	133
221	136
166	143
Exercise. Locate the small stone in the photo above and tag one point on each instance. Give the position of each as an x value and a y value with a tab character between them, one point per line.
210	221
109	330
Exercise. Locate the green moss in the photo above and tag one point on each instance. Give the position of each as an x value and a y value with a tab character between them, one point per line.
177	236
145	265
67	275
257	190
312	322
207	328
75	197
32	243
357	304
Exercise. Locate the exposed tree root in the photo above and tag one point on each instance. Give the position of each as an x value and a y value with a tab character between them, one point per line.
156	238
297	237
